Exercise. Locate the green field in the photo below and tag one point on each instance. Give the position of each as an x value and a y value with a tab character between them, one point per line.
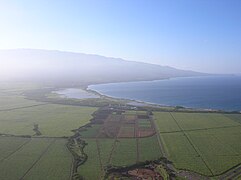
207	143
91	169
11	96
14	100
53	120
38	158
149	149
55	164
123	152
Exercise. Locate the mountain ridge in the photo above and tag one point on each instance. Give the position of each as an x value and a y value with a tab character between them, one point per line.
56	66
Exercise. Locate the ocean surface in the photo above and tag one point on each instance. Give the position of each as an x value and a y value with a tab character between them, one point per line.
210	92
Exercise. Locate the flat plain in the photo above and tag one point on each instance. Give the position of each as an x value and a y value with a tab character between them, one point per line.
206	143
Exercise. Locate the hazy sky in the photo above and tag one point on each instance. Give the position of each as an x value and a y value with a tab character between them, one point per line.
201	35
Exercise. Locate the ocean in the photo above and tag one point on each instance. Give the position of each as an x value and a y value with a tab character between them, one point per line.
209	92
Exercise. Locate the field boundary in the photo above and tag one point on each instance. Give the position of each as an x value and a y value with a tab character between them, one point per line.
23	107
16	150
159	139
193	146
201	129
37	160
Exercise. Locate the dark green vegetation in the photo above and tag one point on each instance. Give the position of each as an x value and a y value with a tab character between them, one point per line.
31	146
115	138
37	158
45	137
205	143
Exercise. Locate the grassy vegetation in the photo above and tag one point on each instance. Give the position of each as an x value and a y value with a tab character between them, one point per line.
11	95
149	149
10	101
216	152
8	145
165	122
182	154
105	146
38	159
53	120
15	166
91	169
144	123
91	131
125	152
189	121
235	117
206	143
54	165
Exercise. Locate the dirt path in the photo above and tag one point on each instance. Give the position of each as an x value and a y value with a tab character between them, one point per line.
24	107
20	147
100	161
137	135
231	174
193	146
200	129
161	146
37	160
115	142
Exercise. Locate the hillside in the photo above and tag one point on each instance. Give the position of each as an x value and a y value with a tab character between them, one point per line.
67	67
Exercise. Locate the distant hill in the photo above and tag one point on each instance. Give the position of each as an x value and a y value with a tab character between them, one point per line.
68	67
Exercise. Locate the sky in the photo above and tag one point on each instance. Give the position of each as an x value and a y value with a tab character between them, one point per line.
200	35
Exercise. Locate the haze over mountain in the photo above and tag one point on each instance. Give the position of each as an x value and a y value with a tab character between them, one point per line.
68	67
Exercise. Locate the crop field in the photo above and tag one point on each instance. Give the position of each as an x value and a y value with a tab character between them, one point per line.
36	139
91	169
11	96
36	158
123	125
125	152
206	143
122	152
52	120
115	140
149	149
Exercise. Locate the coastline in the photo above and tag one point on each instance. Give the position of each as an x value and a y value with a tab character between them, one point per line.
136	102
142	103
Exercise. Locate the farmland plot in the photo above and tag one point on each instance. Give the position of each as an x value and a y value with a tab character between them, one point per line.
54	165
206	143
149	149
9	145
52	120
18	164
91	169
125	152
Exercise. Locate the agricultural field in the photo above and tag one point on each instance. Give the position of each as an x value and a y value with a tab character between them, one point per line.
149	149
122	152
53	120
41	140
206	143
11	96
34	158
119	124
117	143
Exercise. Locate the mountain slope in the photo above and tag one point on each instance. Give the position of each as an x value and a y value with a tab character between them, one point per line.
57	66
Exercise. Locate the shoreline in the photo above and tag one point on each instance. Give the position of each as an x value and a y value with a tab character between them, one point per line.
151	104
141	103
